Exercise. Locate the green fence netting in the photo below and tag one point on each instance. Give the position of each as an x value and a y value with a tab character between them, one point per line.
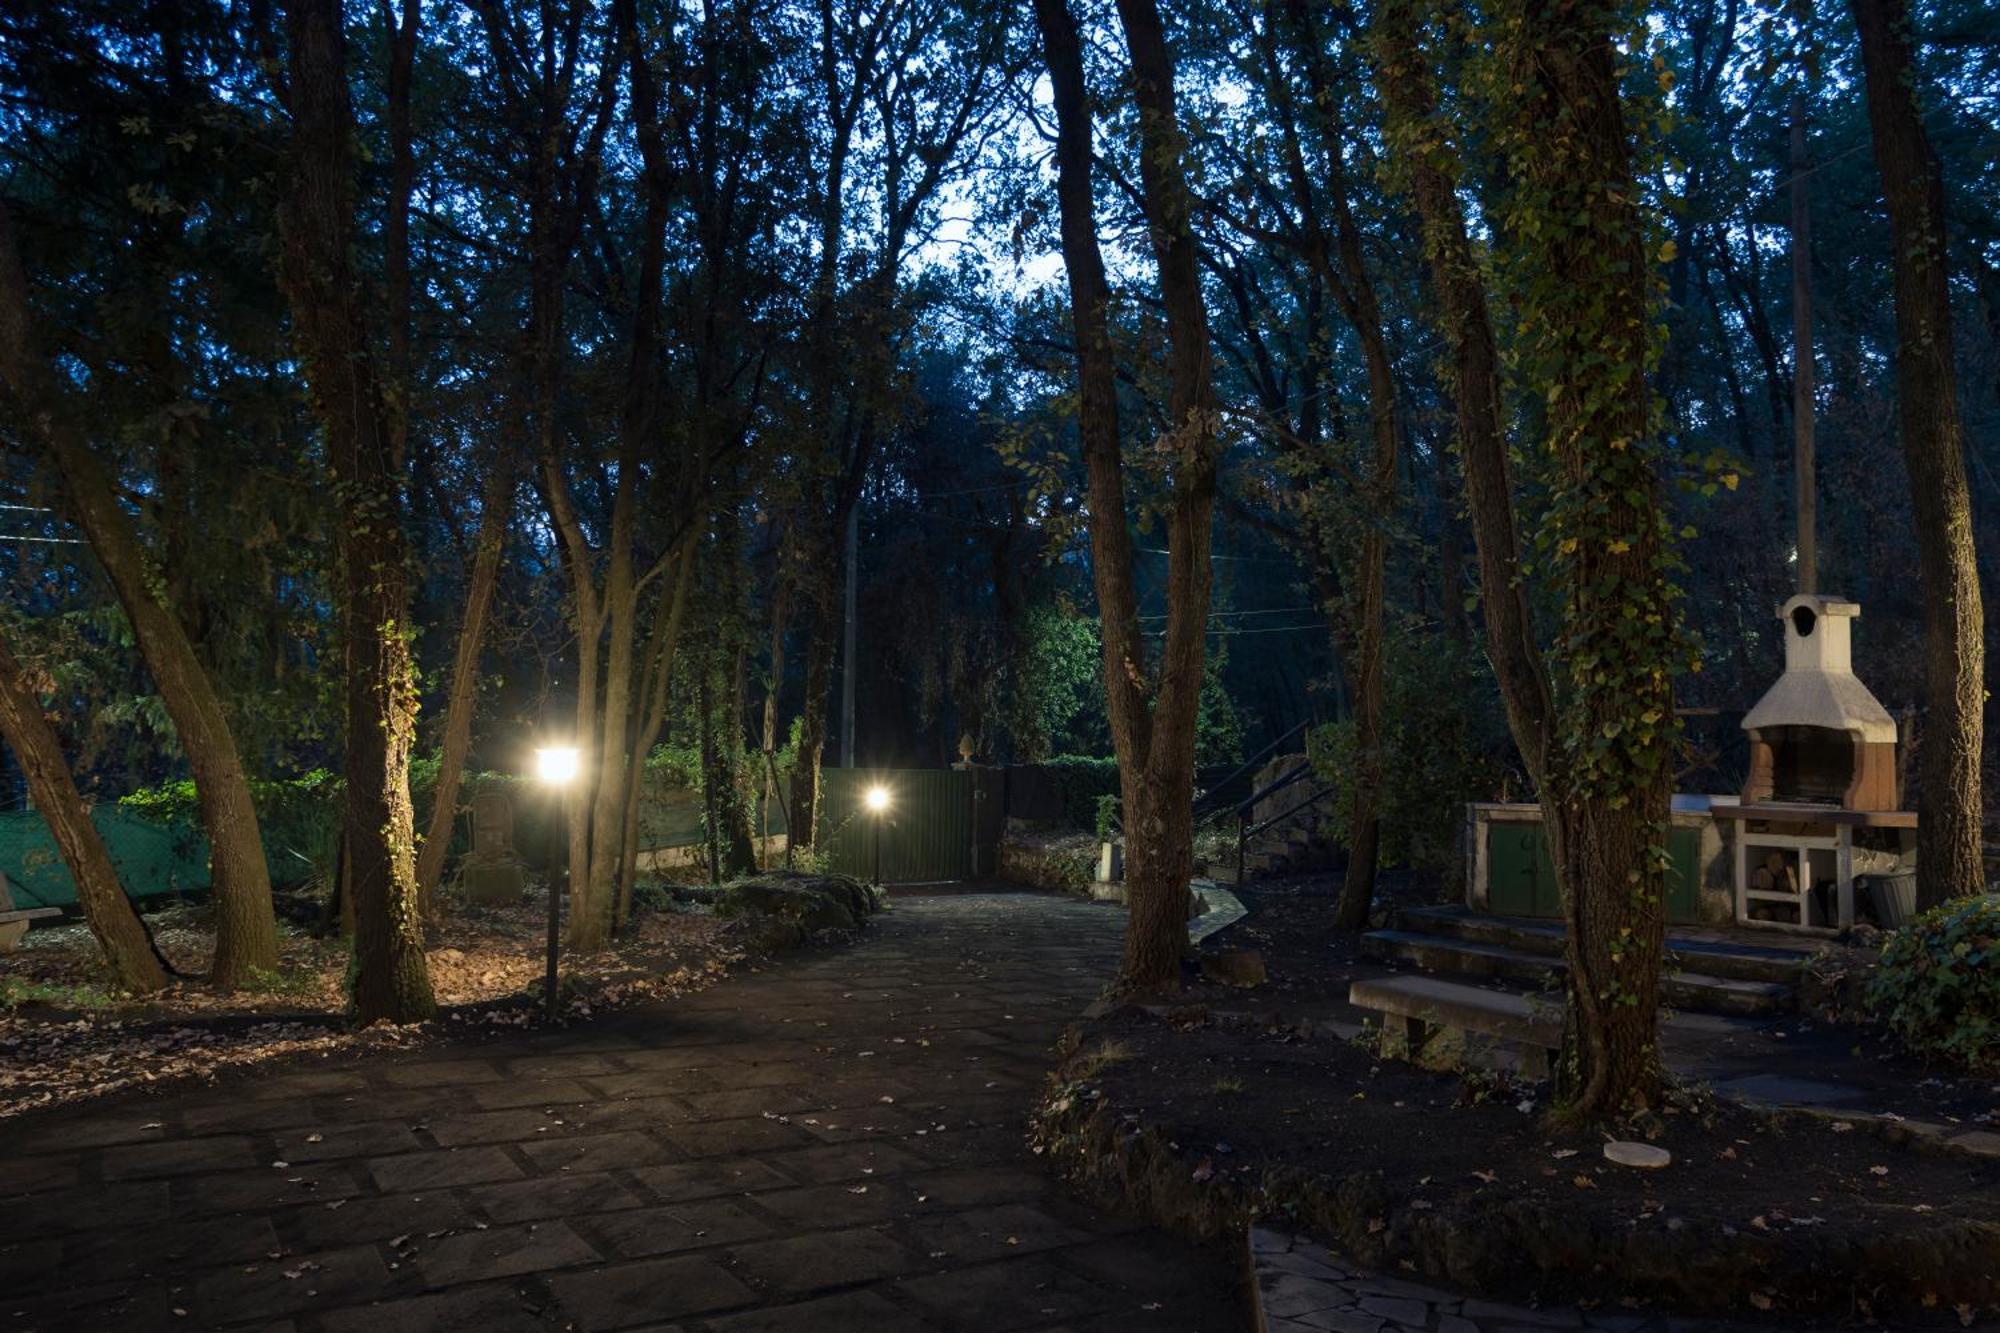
152	859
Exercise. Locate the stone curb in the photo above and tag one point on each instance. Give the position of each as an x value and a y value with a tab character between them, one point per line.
1298	1286
1931	1135
1221	909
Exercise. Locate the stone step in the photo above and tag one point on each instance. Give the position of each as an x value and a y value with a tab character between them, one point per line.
1740	961
1699	991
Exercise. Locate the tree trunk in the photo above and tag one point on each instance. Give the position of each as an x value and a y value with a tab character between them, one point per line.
1948	857
1354	290
246	936
496	510
1155	745
106	909
819	654
391	981
1605	808
659	664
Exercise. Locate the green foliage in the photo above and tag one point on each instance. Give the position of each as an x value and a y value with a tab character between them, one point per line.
1058	695
1107	816
1081	782
299	819
1450	746
1938	985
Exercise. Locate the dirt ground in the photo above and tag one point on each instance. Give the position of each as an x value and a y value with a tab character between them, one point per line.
67	1035
1457	1174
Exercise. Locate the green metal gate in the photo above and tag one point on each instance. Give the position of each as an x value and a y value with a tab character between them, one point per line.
925	832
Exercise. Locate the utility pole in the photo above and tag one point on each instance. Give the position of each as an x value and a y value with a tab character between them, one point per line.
847	639
1803	369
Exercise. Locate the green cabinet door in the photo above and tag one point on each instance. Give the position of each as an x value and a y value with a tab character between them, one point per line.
1521	873
1520	879
1683	875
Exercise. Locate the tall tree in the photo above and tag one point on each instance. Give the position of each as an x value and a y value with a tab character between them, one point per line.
106	909
1152	713
1948	854
246	933
1576	252
391	980
1354	291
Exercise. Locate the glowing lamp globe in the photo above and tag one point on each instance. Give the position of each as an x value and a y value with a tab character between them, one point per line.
556	766
878	799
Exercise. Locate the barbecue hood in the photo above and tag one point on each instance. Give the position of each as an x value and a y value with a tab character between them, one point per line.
1818	735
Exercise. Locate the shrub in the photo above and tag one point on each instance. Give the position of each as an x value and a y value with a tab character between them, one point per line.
1079	781
1938	985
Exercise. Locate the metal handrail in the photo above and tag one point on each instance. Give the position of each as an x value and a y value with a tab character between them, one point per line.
1208	803
1246	830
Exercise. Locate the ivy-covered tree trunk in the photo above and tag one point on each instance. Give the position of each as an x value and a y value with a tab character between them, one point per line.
246	933
1948	853
1575	245
106	909
1584	284
391	980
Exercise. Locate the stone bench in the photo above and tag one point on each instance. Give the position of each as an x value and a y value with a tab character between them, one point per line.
1415	1005
14	924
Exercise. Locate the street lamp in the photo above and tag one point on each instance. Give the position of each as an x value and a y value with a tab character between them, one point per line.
556	767
878	806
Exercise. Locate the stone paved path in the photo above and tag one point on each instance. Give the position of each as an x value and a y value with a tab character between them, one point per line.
833	1144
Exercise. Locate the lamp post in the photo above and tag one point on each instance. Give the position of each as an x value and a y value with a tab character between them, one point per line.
556	767
878	806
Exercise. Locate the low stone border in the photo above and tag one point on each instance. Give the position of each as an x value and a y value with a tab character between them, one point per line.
1904	1131
1220	909
1300	1286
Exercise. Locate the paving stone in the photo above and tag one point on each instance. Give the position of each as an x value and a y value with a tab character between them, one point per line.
439	1073
455	1154
849	1312
993	1233
577	1194
521	1122
640	1233
569	1066
497	1252
168	1249
753	1134
977	1185
1288	1294
840	1205
1397	1310
369	1138
488	1309
291	1284
177	1157
801	1264
373	1220
695	1180
547	1093
32	1175
845	1161
84	1208
647	1292
1018	1293
441	1168
596	1152
737	1102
